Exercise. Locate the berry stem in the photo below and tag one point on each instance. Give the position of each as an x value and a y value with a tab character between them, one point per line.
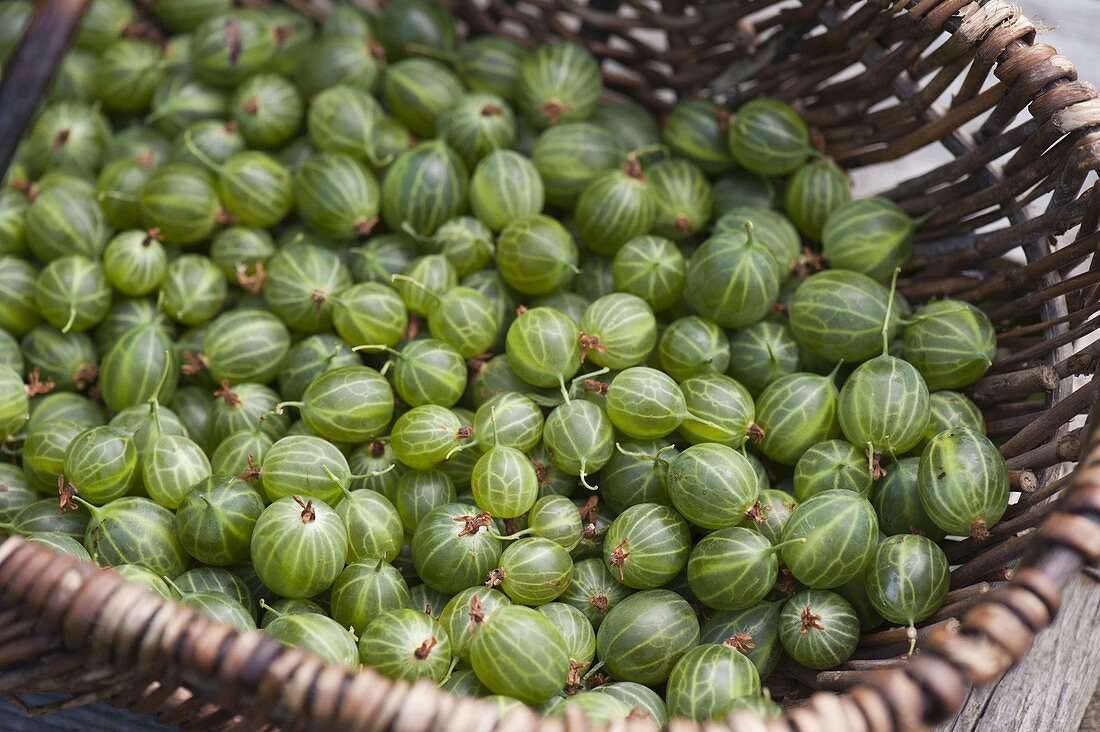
889	310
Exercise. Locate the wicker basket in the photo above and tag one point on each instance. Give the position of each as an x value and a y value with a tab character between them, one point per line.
878	80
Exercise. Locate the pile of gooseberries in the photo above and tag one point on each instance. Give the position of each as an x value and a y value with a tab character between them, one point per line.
436	358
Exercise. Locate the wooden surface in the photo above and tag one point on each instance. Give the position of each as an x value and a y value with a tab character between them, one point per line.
1051	690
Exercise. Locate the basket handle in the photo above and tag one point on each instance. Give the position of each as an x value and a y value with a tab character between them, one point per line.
32	66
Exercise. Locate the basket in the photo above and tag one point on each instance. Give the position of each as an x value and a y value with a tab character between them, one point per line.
879	80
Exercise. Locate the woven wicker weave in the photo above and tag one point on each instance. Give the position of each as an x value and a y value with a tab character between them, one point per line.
878	80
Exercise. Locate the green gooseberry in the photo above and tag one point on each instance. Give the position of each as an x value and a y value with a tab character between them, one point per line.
652	268
245	345
426	279
428	601
951	343
193	290
72	293
342	119
570	155
299	546
256	189
220	608
619	331
503	482
556	518
466	242
580	438
907	580
299	282
118	190
536	255
63	221
558	82
318	634
247	407
598	709
762	353
42	516
685	201
722	411
475	125
768	138
647	545
367	590
695	130
519	652
949	409
69	360
68	136
873	236
424	187
348	404
216	519
182	102
130	373
594	590
796	412
369	313
510	419
645	634
417	91
406	644
491	64
268	110
505	187
135	263
127	75
884	405
576	631
170	466
693	345
962	482
133	530
616	207
419	492
16	492
533	571
630	120
306	465
373	525
336	196
181	202
228	48
733	569
147	579
897	502
543	347
645	404
465	613
101	464
45	444
706	680
453	549
832	465
207	144
381	257
426	435
818	629
712	485
375	468
829	538
733	279
839	315
637	473
754	631
812	194
215	580
334	61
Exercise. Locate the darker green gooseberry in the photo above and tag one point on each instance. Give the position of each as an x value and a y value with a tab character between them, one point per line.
693	345
453	548
873	236
68	360
268	110
367	590
838	315
558	82
207	145
255	189
409	27
907	579
491	64
712	485
216	519
707	679
127	75
770	227
505	186
133	530
16	492
130	372
419	492
118	190
417	91
307	465
336	60
576	631
696	130
369	313
424	187
813	193
182	103
193	290
645	634
647	545
570	155
510	419
616	207
685	201
721	411
228	48
170	465
466	242
536	255
336	196
637	473
465	613
831	465
298	546
181	202
732	569
519	652
426	435
299	281
381	257
503	482
14	403
101	464
63	221
796	412
733	279
754	631
761	353
245	345
594	590
645	404
951	342
533	571
620	331
830	538
962	482
884	406
818	629
342	119
477	124
768	138
652	268
61	543
897	502
348	404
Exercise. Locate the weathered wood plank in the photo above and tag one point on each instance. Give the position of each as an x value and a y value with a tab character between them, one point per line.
1051	689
